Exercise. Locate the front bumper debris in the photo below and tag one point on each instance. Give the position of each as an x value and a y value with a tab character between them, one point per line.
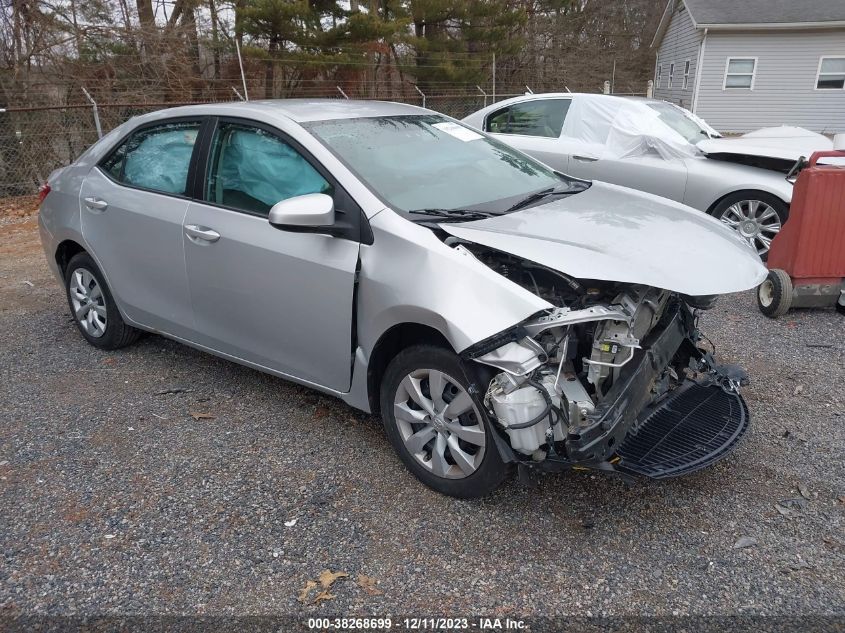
696	427
642	427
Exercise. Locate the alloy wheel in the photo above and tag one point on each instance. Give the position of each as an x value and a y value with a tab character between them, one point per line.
89	304
439	423
756	221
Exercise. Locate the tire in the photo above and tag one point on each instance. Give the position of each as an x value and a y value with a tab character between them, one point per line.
840	308
774	295
464	464
747	212
93	308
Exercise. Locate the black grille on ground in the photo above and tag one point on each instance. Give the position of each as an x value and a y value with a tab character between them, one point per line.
691	430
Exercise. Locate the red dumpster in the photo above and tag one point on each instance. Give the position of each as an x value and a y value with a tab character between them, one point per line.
807	257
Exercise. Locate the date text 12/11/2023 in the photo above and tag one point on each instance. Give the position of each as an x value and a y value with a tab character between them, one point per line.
416	624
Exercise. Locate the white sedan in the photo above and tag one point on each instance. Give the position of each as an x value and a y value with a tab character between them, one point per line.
659	148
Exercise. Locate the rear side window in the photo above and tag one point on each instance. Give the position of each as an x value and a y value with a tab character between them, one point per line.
542	117
251	170
155	158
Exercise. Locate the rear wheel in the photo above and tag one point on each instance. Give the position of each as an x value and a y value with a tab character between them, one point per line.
755	215
93	307
774	295
437	425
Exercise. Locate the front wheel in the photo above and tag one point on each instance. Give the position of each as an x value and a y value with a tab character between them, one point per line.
755	215
437	425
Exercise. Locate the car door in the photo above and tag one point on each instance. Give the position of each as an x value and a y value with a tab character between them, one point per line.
647	172
281	300
534	127
133	205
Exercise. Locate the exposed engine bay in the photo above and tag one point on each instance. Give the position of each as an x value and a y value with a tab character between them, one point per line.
572	382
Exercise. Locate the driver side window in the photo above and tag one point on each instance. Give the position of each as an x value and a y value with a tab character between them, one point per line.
251	169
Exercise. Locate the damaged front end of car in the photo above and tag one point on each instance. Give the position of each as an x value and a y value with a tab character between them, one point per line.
615	377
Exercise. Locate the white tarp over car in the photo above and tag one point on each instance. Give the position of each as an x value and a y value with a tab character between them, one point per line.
621	128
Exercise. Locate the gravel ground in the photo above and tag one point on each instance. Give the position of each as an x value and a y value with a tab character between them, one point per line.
116	500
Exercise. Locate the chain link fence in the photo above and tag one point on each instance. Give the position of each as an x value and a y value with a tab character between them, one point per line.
34	141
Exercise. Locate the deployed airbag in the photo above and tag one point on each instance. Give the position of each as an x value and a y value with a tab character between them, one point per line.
266	169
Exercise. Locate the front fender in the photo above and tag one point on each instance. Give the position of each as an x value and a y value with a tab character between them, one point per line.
409	276
709	181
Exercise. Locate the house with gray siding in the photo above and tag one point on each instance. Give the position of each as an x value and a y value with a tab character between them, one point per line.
743	65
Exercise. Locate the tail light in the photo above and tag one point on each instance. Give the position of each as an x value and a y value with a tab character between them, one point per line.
42	193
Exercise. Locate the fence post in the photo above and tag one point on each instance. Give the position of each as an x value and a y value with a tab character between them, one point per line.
417	88
241	65
606	88
96	113
649	89
485	95
494	77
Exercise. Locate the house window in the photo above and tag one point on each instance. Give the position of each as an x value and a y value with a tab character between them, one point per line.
831	75
671	74
659	74
739	72
686	74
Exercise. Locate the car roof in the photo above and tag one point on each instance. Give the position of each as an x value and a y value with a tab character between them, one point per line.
581	95
298	110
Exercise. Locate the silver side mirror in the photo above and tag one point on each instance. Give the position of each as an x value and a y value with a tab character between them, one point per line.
309	212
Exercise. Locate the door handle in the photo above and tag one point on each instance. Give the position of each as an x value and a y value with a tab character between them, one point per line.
199	234
96	205
586	159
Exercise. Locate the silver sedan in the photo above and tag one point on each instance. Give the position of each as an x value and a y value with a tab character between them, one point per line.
659	148
493	312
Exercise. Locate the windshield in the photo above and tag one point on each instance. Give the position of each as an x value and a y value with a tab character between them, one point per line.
429	162
680	122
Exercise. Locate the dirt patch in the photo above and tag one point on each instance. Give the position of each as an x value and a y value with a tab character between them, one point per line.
18	206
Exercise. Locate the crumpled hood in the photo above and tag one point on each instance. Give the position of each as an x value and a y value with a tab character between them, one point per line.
617	234
785	143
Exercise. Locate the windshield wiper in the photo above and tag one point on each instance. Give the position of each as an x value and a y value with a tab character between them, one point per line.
545	193
463	215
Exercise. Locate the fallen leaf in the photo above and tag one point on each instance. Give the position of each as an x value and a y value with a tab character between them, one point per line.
291	523
110	360
842	499
310	585
788	511
327	578
166	392
201	416
745	541
320	412
794	504
324	595
804	491
368	584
